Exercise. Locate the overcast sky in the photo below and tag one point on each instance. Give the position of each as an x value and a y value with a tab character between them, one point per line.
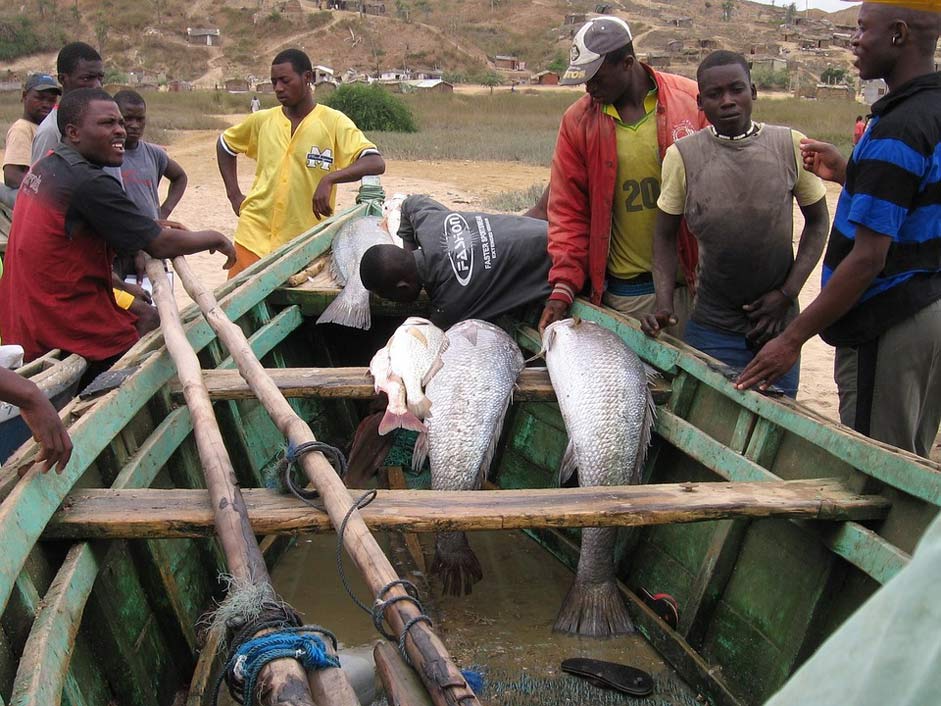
828	5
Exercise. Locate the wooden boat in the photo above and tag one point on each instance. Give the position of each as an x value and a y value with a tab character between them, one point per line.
107	567
57	375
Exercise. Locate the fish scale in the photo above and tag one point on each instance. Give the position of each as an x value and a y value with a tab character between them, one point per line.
469	398
601	386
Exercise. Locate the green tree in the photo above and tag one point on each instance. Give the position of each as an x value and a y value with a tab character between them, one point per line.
490	78
790	13
834	75
372	108
727	7
101	31
558	63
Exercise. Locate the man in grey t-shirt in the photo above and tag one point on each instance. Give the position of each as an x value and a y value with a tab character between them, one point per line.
145	164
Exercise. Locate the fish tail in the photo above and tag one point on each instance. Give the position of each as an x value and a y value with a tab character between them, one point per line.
455	563
594	605
406	420
350	308
421	407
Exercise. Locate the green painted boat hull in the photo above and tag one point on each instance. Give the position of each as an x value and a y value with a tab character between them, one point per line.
96	623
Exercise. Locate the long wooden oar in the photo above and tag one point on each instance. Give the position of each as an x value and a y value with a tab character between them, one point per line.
427	653
282	682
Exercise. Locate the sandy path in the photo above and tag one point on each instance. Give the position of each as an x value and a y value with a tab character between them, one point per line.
459	184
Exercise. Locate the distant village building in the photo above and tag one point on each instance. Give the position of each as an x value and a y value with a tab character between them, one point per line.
708	44
421	74
11	85
324	73
768	63
841	39
237	85
827	91
675	46
873	90
178	86
203	35
324	88
510	63
431	85
576	18
658	60
545	78
264	87
682	22
394	75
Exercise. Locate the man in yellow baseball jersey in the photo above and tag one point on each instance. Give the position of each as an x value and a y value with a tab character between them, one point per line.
303	150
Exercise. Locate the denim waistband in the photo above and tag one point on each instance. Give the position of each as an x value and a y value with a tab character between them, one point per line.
631	287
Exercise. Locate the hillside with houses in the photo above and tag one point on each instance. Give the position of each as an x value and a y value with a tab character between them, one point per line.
418	44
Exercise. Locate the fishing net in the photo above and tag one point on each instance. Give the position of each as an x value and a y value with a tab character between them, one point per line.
501	689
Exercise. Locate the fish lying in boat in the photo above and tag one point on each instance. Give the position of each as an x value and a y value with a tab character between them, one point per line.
470	397
608	411
392	216
403	368
351	307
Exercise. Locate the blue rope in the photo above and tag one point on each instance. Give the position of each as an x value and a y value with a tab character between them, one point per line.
242	670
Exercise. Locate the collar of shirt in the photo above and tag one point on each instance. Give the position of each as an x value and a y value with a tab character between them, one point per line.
753	130
650	105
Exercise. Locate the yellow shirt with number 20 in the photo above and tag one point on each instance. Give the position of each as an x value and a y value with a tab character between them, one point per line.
278	207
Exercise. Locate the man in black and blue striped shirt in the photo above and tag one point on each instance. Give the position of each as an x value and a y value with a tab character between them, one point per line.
881	300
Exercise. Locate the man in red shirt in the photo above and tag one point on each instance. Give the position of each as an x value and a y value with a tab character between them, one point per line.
70	220
859	129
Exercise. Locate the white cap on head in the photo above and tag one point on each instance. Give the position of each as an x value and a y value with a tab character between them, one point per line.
596	38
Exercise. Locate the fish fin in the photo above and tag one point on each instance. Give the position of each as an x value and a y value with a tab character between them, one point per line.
367	452
391	421
420	452
646	433
350	308
652	373
569	463
334	269
595	610
436	365
576	321
469	333
455	563
421	407
418	335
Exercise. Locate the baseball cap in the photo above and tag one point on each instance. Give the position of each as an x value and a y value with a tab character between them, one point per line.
923	5
596	38
42	82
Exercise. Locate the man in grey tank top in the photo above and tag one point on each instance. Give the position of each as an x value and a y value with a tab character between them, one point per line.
735	183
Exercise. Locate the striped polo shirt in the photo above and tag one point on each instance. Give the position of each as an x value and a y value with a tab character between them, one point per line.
893	187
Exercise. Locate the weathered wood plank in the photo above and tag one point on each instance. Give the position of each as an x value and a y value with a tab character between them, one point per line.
187	513
313	299
533	384
353	383
860	546
45	661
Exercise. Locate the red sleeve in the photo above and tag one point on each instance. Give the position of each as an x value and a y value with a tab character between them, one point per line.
569	213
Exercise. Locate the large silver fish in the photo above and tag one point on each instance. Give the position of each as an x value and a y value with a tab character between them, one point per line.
351	307
603	393
470	397
403	368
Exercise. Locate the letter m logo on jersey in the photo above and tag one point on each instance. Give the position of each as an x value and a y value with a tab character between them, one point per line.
317	158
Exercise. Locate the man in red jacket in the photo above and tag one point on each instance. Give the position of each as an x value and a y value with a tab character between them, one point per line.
606	176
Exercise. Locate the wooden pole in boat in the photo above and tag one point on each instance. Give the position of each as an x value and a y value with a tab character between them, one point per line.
282	682
427	653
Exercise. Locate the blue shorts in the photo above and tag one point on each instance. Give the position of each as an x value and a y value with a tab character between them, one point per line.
732	349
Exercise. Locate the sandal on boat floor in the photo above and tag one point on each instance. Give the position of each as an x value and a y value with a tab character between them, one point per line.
609	675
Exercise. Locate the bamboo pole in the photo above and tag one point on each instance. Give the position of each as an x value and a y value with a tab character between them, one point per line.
282	682
428	654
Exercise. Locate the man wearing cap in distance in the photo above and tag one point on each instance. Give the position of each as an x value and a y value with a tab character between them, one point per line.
39	98
880	304
605	176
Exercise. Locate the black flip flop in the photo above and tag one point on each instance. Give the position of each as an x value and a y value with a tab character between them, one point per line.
609	675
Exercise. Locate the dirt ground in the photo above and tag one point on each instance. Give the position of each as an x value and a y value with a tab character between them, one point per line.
458	184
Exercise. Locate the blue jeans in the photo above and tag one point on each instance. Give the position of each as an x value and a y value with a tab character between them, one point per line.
732	349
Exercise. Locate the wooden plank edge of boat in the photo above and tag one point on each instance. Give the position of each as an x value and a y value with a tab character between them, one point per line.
732	643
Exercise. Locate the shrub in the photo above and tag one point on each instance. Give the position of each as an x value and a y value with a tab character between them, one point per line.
373	108
20	36
766	78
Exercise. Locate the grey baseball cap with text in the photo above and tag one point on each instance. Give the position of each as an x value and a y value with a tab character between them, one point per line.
42	82
596	38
